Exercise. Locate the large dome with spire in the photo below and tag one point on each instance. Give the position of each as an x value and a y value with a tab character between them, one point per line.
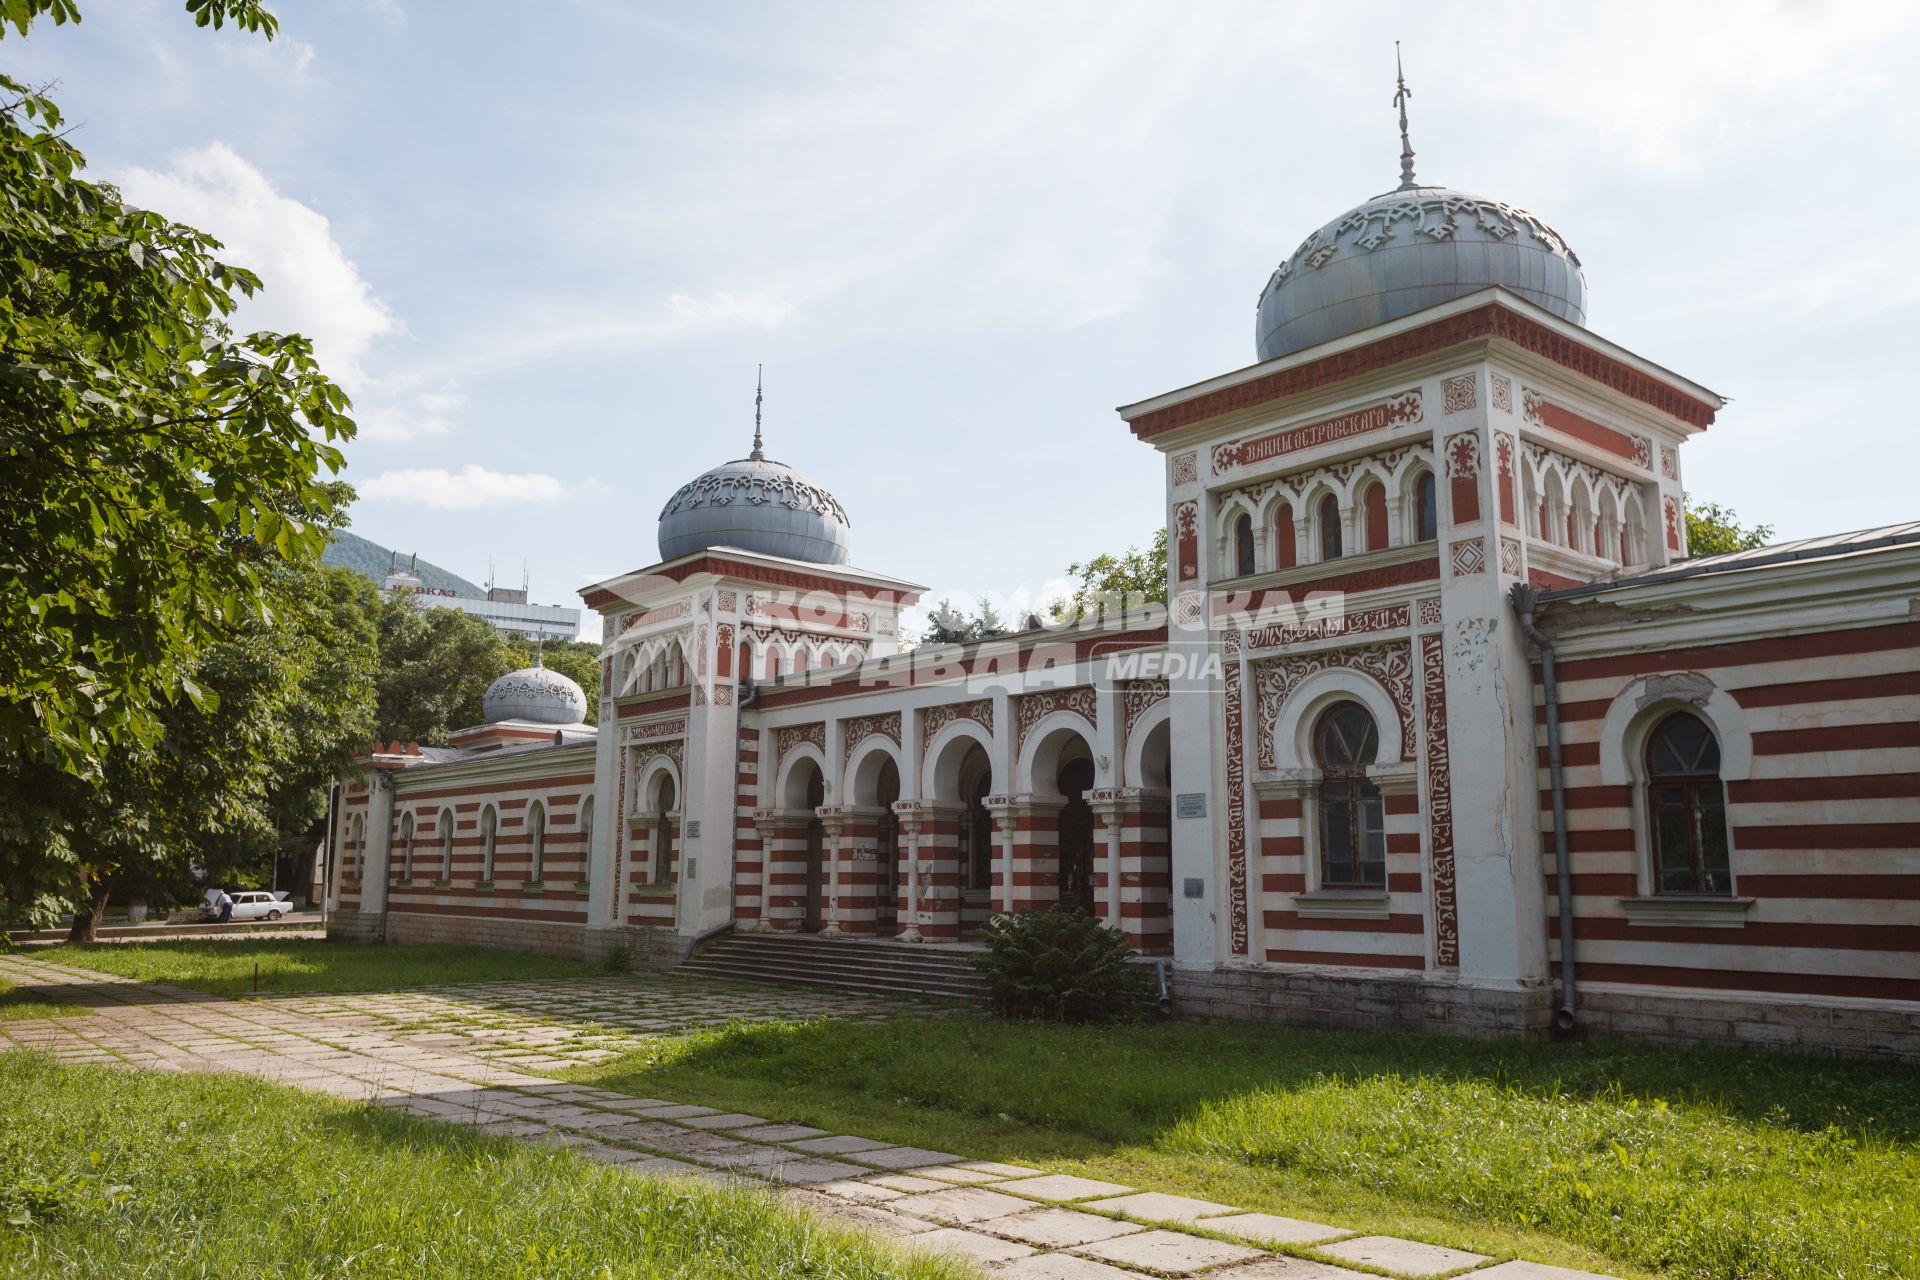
1409	249
755	504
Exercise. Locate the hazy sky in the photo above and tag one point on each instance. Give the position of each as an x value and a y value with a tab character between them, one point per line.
543	246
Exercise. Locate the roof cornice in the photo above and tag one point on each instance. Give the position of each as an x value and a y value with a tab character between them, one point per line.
1487	315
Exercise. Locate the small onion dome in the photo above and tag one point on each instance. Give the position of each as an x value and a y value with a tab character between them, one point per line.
537	695
1408	250
755	504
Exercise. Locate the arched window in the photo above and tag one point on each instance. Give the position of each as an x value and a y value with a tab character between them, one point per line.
1242	544
446	844
489	828
1329	528
1426	512
1373	506
586	831
1285	556
663	799
536	841
1687	807
406	847
1353	843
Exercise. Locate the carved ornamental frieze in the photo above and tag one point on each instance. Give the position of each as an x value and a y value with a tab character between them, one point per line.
1389	665
1034	707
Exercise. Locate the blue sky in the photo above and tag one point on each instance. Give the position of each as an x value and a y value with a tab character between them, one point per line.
545	245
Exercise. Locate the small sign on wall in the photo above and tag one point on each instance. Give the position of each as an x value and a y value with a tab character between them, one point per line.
1190	804
693	828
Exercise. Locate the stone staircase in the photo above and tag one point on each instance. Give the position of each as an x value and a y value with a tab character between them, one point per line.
867	966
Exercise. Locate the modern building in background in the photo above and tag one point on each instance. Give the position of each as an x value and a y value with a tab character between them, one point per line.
506	608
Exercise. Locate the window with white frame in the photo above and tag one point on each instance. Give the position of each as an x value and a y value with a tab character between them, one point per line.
536	841
1352	821
489	830
1687	808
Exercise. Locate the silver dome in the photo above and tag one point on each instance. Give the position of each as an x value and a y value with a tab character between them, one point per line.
755	504
1406	251
536	694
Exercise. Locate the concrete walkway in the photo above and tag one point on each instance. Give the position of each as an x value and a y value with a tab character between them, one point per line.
473	1055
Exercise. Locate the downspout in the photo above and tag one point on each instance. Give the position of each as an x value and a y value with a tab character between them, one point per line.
1524	600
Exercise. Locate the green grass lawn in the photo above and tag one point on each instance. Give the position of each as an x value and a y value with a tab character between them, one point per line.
1635	1160
226	966
117	1173
33	1002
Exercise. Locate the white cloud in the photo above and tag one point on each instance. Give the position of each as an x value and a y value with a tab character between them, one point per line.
723	310
387	416
311	286
471	486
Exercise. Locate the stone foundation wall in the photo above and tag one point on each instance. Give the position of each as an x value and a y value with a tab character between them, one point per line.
651	948
1855	1029
1360	1000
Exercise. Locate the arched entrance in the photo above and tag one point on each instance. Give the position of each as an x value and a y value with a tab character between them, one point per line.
799	880
976	840
811	912
886	853
1075	833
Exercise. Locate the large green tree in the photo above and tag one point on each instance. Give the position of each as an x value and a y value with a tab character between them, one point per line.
435	666
175	683
139	434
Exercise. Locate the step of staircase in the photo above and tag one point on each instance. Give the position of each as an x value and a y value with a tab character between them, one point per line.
865	966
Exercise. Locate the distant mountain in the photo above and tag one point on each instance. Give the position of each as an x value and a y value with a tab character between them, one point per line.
351	551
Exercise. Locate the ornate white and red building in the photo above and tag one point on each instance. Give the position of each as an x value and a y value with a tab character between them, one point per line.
1442	729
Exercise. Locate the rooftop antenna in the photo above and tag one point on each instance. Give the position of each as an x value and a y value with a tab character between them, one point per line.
1400	100
758	455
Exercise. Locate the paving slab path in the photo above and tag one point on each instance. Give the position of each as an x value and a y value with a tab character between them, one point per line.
474	1055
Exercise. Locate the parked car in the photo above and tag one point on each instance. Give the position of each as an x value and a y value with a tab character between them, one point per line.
248	904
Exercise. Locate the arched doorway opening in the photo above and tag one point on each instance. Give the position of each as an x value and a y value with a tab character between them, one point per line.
976	840
806	792
886	852
660	819
1075	831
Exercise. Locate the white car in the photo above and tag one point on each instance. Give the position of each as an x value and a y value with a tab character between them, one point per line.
248	904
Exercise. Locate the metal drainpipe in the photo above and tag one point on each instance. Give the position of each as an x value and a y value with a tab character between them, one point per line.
1524	599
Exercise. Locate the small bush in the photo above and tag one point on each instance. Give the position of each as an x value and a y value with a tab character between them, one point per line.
1063	966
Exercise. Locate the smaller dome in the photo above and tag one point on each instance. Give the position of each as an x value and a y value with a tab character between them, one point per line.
535	694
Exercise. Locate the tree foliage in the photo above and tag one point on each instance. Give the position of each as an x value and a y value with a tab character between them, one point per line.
435	666
157	466
231	781
1109	584
1713	529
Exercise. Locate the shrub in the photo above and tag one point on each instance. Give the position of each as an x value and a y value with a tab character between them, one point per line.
1063	966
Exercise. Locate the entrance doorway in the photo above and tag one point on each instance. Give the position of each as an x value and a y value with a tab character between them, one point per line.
1076	835
886	853
813	793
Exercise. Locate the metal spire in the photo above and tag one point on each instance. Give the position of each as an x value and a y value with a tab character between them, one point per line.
539	651
758	455
1400	100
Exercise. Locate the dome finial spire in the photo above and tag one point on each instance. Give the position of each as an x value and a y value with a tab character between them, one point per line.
1401	94
759	372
